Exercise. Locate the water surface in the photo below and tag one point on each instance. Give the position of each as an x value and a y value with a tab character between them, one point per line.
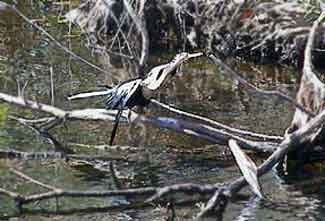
162	156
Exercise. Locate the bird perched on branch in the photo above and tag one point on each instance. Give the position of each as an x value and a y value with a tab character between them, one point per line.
129	93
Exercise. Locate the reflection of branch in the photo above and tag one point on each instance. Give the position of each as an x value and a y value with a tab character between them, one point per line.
222	191
235	76
28	178
43	131
12	7
15	154
98	209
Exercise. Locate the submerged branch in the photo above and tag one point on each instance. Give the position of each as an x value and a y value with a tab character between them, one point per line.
55	192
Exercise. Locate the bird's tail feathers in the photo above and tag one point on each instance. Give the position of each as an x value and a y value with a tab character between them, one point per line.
89	94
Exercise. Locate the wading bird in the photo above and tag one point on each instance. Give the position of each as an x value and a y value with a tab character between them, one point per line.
129	93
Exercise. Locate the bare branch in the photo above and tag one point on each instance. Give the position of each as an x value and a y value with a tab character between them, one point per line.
218	199
308	66
52	86
311	93
195	129
24	176
208	132
141	26
215	123
85	114
9	193
185	188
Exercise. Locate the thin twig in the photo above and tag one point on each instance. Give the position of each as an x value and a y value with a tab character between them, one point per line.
141	26
43	131
26	177
52	85
9	193
218	198
13	7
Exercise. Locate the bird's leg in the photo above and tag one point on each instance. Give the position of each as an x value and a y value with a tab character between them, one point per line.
117	120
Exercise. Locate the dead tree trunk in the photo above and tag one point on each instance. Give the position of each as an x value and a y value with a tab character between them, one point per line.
311	95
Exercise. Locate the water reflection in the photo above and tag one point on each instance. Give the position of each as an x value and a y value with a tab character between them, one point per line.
165	157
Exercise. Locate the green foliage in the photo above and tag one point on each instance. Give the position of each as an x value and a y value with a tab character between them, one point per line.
3	113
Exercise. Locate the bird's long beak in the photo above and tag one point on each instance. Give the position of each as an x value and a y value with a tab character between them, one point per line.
194	55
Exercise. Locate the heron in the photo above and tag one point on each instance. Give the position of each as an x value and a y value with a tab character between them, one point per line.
129	93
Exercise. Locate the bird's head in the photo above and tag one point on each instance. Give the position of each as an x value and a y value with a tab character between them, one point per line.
180	58
184	56
159	73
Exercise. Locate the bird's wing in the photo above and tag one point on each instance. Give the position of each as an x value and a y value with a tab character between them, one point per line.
89	94
132	89
122	94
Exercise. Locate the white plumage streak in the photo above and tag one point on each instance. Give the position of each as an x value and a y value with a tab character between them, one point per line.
89	94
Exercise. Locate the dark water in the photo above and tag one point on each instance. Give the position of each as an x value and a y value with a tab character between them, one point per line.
162	157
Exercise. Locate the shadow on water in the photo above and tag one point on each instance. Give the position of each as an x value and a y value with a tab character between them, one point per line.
164	157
